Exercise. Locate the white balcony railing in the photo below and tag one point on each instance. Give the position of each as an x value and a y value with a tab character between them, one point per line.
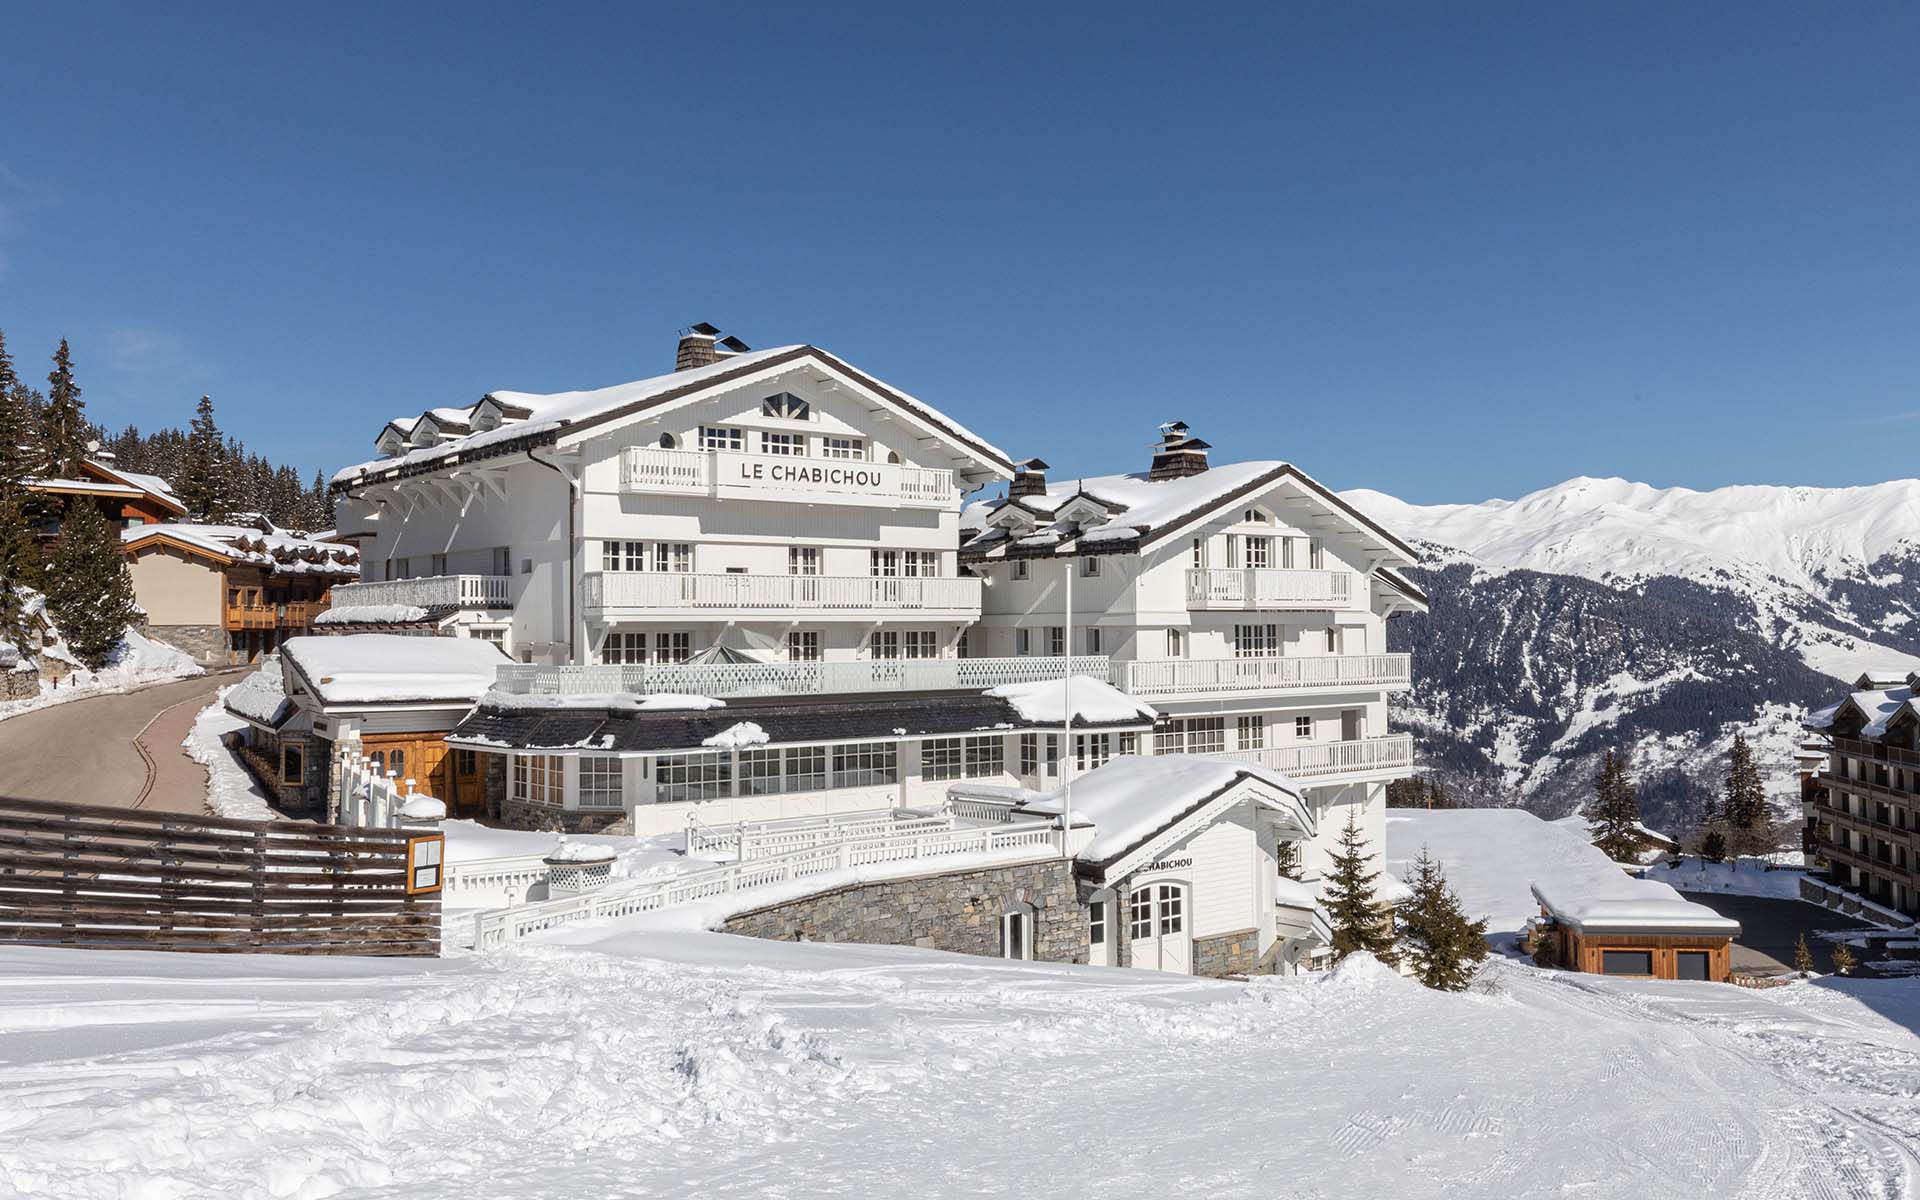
1268	587
1317	761
828	480
1176	676
855	595
428	591
726	680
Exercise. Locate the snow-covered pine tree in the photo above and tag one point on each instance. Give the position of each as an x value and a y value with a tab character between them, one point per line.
64	429
16	429
89	588
201	483
1440	943
1286	855
1802	956
1350	897
1614	815
319	505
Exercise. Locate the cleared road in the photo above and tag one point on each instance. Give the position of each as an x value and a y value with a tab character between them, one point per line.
91	751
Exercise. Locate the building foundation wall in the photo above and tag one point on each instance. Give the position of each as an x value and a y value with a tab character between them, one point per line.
205	644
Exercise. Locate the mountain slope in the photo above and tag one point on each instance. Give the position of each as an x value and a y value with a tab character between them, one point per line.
1605	614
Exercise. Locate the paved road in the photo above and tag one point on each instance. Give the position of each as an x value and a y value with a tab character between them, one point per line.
1769	928
119	750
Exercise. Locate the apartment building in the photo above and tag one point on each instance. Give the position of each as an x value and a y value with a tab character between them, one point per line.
751	589
1865	815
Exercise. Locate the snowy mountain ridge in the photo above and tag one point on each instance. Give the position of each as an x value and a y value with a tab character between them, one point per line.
1603	614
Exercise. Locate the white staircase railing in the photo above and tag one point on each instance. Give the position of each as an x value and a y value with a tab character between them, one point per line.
369	795
501	926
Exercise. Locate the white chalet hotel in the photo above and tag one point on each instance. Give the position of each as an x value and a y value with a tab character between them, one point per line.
753	588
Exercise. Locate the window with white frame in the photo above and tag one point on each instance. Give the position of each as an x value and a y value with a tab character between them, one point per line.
884	644
494	637
1029	753
806	768
1097	923
803	560
803	645
601	782
1094	640
883	563
1259	552
439	565
788	444
1254	516
1252	733
760	772
1316	555
685	777
961	758
1303	727
920	564
919	643
1015	930
843	447
787	407
672	646
1089	566
1017	569
722	437
1256	641
1057	640
537	779
673	556
1140	914
1176	643
621	649
1286	552
1129	743
1333	639
623	556
1193	735
1022	642
866	764
1091	750
1199	560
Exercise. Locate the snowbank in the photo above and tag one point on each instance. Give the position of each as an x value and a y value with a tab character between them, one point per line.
136	662
737	737
1095	702
231	789
372	614
1750	879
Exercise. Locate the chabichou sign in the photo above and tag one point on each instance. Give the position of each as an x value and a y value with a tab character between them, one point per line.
854	477
1168	864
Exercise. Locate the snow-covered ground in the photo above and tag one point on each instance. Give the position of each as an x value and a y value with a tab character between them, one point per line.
137	662
1751	878
232	790
606	1061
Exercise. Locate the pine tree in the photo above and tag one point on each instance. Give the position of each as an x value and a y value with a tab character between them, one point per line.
20	567
89	588
1286	856
1844	959
1614	816
1349	895
201	483
1713	846
1802	956
1441	944
1748	821
64	430
17	440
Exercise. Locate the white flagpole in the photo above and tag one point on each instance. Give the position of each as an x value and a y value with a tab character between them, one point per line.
1066	724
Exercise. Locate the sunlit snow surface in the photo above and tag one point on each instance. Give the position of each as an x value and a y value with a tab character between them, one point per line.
608	1062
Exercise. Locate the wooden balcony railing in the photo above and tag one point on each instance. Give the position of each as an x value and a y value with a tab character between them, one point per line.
251	616
299	614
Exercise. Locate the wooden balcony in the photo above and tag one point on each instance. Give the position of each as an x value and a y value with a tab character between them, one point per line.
1275	589
617	594
299	614
251	616
1256	676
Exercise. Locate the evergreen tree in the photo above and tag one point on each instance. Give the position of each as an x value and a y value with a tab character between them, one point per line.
202	481
1287	856
1844	959
1441	944
1541	943
89	588
1713	846
17	441
1614	816
1352	909
1744	811
64	430
1802	956
20	568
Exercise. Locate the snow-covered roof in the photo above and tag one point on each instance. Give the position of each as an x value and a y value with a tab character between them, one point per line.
1877	708
372	614
1140	510
1131	798
279	553
1505	863
379	668
1095	701
600	701
262	696
549	413
1578	824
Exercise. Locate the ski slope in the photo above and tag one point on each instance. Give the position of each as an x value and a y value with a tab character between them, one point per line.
607	1061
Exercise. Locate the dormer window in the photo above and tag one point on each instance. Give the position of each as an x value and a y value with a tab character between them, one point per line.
787	407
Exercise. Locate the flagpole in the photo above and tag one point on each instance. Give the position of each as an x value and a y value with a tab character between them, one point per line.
1066	723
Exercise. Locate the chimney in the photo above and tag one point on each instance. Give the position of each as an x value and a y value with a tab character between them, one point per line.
1029	479
696	347
1176	454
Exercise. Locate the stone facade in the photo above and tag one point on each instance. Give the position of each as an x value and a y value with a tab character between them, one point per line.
1236	953
206	644
959	912
19	685
541	818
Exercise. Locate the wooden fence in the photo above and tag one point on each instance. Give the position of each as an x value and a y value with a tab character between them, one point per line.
130	879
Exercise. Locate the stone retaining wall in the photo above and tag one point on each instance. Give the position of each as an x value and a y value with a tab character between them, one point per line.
205	644
959	912
1236	953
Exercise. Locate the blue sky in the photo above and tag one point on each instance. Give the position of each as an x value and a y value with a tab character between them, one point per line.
1448	251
